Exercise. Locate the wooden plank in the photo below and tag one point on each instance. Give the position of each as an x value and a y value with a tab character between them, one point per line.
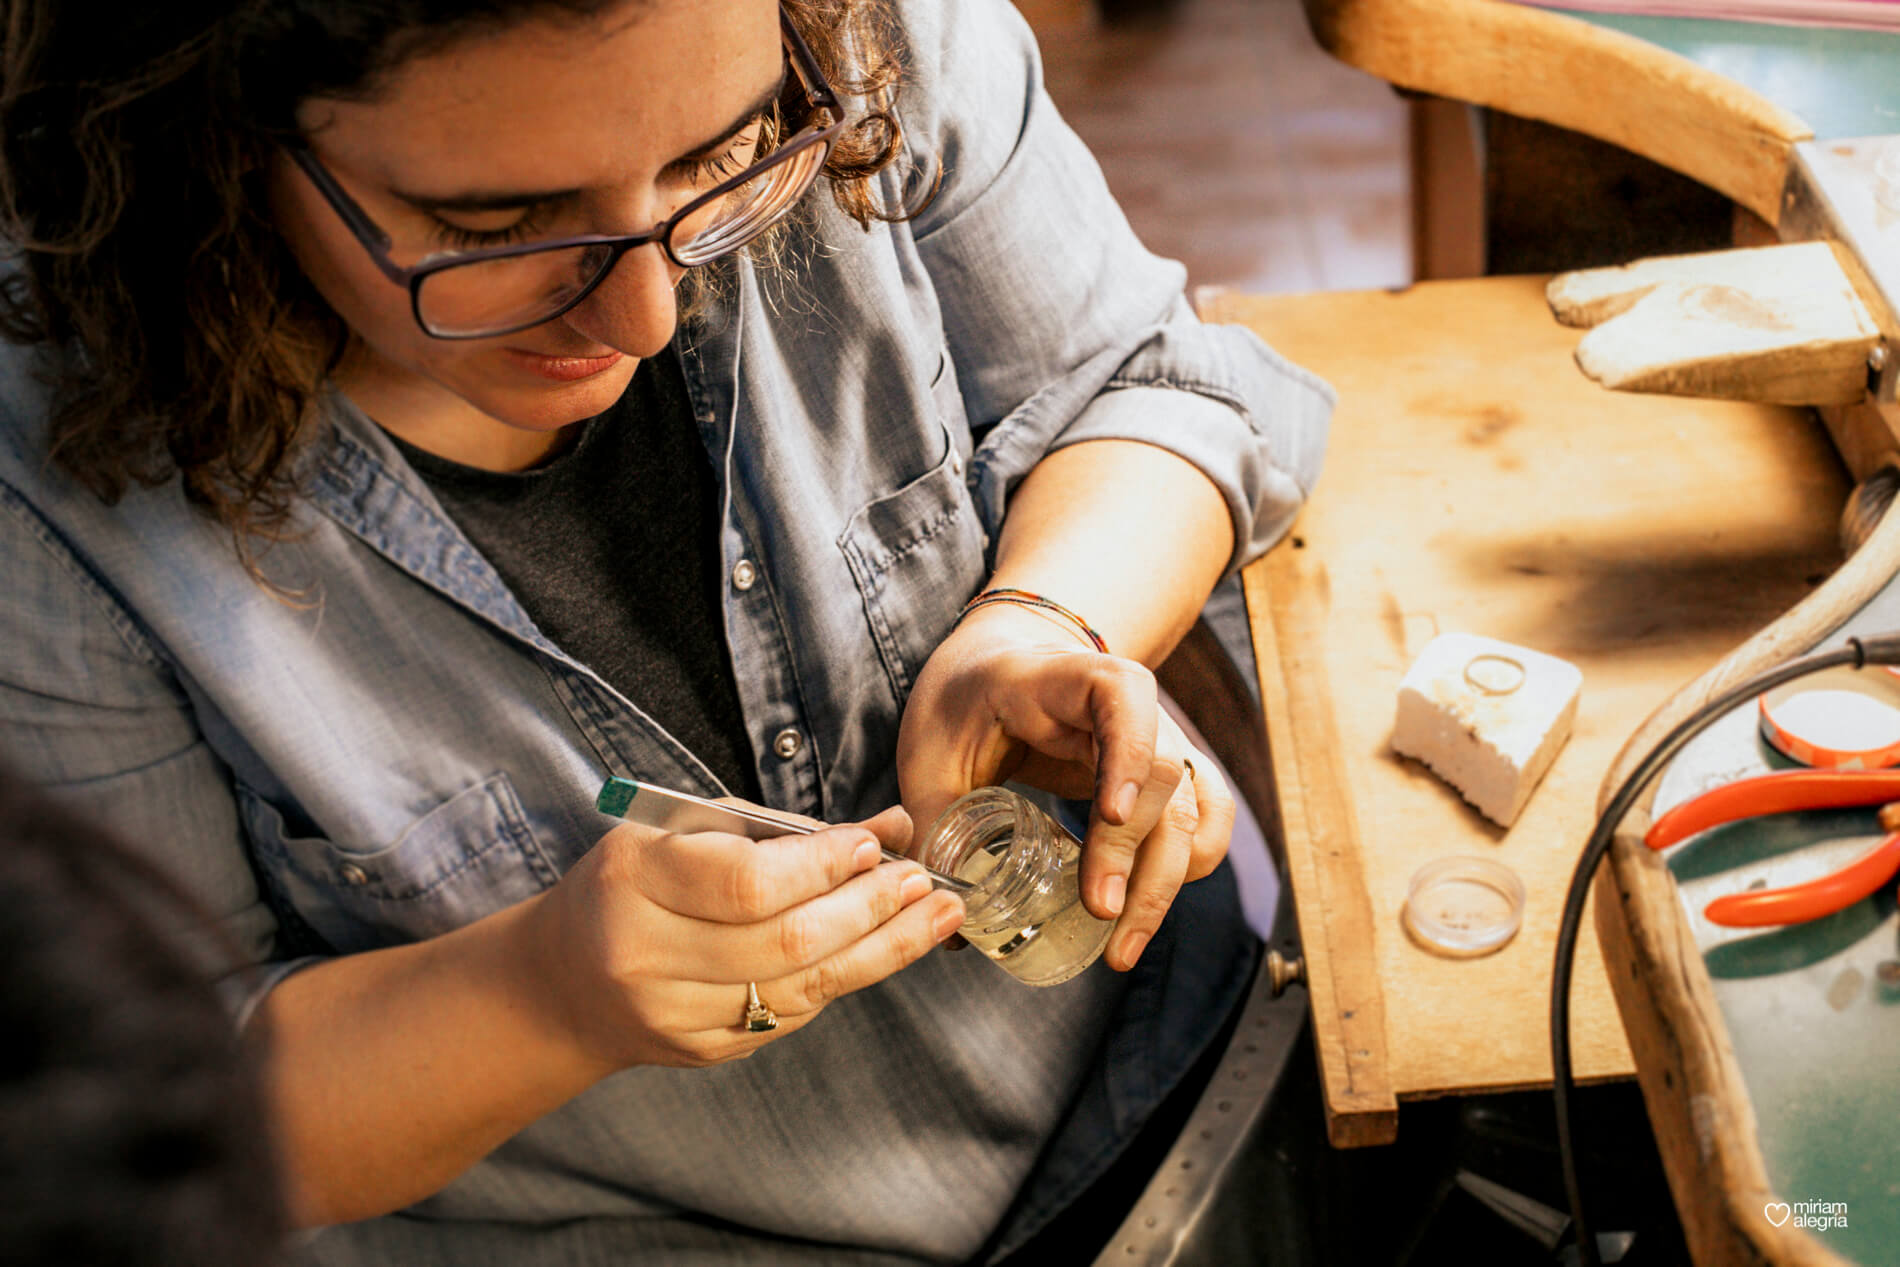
1779	324
1475	481
1328	878
1557	69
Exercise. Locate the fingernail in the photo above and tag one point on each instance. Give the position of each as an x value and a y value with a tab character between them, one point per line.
1132	948
949	921
865	856
1125	801
915	885
1114	892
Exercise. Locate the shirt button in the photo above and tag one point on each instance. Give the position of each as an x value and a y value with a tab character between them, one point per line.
353	875
787	743
744	575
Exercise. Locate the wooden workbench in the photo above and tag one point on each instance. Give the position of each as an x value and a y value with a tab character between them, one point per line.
1476	481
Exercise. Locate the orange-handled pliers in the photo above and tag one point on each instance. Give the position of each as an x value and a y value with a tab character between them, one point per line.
1777	794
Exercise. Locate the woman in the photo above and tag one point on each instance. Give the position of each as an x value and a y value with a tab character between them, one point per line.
370	500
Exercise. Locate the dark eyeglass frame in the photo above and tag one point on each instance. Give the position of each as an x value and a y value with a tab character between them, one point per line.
818	95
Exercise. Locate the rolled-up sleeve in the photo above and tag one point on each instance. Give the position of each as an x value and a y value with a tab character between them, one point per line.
1062	326
90	711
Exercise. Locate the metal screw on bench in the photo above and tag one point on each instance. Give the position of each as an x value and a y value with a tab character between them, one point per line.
1283	972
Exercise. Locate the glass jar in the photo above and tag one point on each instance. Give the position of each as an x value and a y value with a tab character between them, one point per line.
1025	910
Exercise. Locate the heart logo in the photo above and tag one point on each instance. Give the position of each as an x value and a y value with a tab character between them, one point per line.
1776	1212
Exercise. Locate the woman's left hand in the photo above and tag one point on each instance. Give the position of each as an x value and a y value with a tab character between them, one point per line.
1010	694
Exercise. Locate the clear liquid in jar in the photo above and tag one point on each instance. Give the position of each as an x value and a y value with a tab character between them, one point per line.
1060	939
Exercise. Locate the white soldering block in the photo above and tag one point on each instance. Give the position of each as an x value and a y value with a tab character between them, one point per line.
1488	717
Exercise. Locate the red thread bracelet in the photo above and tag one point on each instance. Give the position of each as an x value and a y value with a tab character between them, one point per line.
1023	598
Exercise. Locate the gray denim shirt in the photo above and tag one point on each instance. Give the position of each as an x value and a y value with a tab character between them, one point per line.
404	752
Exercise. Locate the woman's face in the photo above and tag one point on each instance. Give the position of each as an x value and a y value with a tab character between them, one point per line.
554	126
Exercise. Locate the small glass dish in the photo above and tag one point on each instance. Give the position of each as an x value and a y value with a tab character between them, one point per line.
1463	907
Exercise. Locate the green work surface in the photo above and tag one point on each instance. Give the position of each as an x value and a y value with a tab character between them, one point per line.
1817	1036
1841	83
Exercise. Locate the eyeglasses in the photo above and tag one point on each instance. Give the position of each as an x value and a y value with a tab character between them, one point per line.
483	293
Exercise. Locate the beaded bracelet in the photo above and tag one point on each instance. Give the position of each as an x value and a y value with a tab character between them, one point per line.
1023	598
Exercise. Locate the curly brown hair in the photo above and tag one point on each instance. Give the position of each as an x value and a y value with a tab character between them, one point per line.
132	154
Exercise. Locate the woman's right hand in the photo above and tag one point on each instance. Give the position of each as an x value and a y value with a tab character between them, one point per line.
648	943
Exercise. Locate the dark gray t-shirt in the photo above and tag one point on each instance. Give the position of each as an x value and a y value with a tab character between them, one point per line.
612	548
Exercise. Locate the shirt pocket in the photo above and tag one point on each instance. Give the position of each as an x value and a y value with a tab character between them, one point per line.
918	553
470	856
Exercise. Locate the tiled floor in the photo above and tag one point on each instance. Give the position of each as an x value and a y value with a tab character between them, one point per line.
1235	144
